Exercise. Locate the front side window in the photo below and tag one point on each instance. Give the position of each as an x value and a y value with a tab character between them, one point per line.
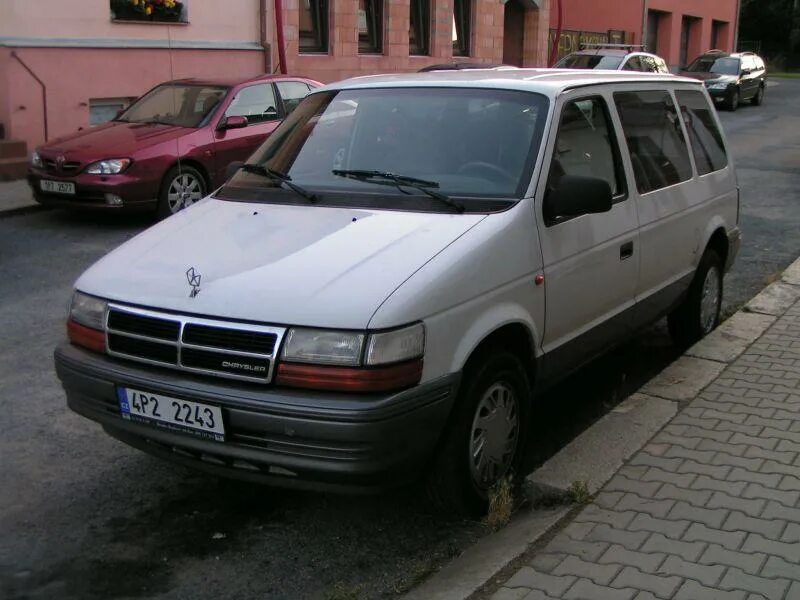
292	92
655	139
585	146
313	25
419	27
181	105
475	144
462	21
256	102
709	64
704	135
370	26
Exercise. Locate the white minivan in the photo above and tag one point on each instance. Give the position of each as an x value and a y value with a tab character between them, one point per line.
381	293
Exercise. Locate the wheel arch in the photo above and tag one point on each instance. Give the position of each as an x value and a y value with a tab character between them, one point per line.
188	162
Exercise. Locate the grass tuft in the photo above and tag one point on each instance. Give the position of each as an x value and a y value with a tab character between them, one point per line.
501	503
342	591
579	492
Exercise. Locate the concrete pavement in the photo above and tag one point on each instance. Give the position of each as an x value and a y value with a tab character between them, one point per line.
16	197
710	506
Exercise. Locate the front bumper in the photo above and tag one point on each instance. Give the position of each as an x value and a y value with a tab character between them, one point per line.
721	94
90	191
289	438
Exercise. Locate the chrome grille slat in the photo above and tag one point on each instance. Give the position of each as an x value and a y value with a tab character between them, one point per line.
165	330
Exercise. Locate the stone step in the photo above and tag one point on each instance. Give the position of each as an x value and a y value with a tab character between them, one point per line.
13	149
13	168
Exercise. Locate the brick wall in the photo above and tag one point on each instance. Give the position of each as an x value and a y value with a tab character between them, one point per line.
343	59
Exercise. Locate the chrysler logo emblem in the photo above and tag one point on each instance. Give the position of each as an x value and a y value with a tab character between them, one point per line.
193	277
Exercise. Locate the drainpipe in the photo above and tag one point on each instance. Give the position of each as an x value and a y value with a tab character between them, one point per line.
41	84
262	15
279	34
736	28
643	40
557	36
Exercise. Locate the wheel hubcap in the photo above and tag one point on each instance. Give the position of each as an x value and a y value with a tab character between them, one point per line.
184	190
709	300
493	439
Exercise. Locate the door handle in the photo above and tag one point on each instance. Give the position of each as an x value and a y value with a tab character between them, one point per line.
626	251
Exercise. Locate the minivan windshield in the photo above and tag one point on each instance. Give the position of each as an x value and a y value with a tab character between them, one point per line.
590	61
173	104
709	64
400	144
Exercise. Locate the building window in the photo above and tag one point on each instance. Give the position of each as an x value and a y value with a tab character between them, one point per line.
102	110
419	28
719	32
166	11
313	26
462	19
370	26
653	23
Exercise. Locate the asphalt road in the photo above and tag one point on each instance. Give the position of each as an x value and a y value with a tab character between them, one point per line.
83	516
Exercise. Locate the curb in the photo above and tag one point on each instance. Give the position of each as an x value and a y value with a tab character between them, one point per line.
595	456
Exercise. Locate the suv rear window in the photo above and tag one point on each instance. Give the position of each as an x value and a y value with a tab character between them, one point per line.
655	139
704	135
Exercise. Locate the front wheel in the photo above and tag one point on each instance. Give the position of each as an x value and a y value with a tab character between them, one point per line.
698	314
484	440
734	100
759	97
181	187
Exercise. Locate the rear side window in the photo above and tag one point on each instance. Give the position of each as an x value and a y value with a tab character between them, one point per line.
704	135
291	93
634	64
655	139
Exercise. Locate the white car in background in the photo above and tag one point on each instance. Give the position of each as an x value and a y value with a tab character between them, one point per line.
614	57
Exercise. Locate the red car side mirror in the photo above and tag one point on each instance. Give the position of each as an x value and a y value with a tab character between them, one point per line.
233	122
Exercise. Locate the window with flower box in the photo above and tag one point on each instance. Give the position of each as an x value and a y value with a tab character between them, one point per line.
164	11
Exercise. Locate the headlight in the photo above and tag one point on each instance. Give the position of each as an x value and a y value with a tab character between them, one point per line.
324	347
396	346
36	160
88	311
720	85
108	167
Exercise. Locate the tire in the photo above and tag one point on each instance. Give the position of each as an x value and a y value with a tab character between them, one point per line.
734	101
758	99
454	485
181	187
698	314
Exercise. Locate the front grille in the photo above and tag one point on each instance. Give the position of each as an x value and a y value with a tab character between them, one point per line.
67	167
208	346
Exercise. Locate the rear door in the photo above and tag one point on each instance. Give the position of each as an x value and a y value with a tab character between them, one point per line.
259	105
591	261
291	93
664	193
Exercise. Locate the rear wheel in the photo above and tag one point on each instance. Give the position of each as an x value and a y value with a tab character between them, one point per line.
759	97
698	314
181	187
484	441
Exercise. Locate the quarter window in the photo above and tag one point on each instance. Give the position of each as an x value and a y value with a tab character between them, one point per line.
370	26
292	92
704	135
655	139
419	27
634	64
585	146
313	25
256	102
462	19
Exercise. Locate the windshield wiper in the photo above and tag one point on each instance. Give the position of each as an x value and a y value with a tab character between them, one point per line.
278	176
396	180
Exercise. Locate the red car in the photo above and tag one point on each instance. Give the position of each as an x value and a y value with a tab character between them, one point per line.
168	149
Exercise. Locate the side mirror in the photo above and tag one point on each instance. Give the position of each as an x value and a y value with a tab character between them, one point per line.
232	122
577	195
232	168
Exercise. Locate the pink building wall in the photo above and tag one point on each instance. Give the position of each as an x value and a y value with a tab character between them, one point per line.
628	15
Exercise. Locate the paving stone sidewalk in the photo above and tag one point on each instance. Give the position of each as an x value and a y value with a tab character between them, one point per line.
710	508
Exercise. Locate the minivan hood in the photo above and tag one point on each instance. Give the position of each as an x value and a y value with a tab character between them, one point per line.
116	139
279	264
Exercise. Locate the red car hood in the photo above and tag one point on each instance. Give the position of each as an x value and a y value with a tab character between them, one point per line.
111	140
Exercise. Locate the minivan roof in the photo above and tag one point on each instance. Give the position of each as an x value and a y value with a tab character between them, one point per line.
550	82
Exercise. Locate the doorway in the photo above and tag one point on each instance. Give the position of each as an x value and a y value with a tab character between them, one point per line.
513	33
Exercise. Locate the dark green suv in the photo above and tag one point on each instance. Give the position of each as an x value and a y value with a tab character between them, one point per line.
730	78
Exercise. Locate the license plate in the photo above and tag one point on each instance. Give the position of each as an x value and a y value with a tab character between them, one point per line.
57	187
199	419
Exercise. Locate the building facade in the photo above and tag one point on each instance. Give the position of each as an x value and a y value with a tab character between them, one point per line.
676	30
68	65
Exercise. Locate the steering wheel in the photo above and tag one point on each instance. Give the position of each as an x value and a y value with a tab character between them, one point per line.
493	171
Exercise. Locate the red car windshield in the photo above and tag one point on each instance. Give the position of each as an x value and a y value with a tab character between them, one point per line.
182	105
